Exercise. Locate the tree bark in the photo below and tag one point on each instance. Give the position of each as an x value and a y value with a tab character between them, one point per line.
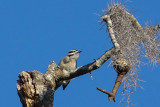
34	90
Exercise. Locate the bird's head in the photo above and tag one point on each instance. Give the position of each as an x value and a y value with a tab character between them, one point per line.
74	54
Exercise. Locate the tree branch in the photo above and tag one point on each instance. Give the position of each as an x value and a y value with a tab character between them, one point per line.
108	93
134	22
122	67
89	67
108	20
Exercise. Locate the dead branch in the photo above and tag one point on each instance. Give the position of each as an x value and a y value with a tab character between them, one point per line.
34	90
87	68
108	20
108	93
134	22
122	66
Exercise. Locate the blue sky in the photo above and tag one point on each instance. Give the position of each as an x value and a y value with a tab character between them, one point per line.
35	32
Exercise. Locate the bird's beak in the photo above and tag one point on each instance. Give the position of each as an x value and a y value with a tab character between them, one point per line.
79	51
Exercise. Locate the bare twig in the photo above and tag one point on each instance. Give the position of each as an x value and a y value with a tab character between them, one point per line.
108	93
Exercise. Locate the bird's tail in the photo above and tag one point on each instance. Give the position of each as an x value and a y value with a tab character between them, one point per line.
65	85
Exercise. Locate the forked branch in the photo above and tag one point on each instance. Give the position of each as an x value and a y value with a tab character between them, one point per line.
122	66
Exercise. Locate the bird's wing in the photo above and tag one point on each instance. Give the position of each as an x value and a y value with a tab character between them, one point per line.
66	59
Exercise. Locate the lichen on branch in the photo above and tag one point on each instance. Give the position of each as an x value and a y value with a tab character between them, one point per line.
135	41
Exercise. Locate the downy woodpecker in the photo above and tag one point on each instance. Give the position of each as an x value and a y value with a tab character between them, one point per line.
68	64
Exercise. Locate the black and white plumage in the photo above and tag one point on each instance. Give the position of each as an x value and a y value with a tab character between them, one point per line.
68	64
